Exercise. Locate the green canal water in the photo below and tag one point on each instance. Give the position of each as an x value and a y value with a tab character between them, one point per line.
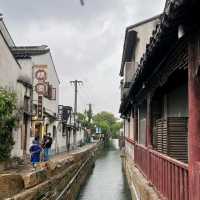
107	182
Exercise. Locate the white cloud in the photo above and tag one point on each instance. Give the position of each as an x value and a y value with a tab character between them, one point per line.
86	42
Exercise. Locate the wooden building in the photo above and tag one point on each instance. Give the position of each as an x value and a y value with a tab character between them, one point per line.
161	102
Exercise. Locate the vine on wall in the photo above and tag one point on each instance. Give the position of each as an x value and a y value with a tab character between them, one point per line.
7	122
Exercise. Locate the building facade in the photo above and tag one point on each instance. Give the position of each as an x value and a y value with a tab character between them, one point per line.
136	39
160	102
73	133
38	65
13	79
30	72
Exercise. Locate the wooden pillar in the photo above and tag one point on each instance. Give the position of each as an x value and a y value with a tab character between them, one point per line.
129	127
194	117
148	134
149	124
135	121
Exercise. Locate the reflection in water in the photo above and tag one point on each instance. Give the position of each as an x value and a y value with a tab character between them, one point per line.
107	181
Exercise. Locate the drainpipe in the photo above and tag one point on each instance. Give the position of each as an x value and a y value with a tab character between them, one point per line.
194	116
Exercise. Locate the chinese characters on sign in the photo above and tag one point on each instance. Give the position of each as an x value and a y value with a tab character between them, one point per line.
40	107
41	75
60	112
40	87
64	113
67	111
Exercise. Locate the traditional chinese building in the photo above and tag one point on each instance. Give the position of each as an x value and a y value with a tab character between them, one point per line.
13	78
38	64
160	103
73	133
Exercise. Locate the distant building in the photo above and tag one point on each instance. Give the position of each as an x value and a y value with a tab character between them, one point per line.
161	100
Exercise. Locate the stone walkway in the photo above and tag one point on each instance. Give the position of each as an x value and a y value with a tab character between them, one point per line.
27	168
27	182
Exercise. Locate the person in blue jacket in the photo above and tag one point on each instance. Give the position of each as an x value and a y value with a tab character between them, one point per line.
35	151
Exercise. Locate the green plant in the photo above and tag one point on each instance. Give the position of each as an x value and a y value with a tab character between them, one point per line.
7	122
108	123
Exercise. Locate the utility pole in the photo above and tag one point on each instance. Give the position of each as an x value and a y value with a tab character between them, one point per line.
90	113
76	83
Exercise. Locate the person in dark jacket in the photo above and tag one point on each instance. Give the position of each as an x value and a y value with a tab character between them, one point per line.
47	146
35	151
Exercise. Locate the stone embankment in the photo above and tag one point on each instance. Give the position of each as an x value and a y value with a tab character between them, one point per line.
59	178
139	187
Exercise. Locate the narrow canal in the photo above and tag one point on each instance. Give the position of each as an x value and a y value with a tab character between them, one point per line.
107	181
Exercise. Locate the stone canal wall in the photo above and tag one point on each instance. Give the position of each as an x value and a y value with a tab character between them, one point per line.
139	187
58	179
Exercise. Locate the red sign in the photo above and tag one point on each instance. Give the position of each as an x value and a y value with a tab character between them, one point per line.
40	88
41	75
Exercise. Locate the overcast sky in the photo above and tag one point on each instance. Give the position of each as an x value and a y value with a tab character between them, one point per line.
86	41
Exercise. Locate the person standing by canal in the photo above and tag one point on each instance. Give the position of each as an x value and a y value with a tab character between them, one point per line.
35	151
47	142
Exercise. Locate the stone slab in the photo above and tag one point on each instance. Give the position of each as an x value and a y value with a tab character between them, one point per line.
34	178
139	186
10	184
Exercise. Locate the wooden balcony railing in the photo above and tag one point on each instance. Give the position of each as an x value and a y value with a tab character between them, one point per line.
169	176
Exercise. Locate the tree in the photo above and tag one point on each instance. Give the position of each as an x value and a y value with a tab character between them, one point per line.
105	128
108	123
115	128
84	120
7	123
105	116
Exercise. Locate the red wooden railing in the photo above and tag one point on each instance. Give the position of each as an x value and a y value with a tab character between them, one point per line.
195	181
141	158
130	140
169	176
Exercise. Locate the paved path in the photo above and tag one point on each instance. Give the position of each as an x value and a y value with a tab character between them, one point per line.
27	167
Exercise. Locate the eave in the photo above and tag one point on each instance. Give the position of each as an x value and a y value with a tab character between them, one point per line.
130	40
28	51
182	12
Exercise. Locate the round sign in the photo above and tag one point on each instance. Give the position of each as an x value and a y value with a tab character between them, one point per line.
40	88
41	75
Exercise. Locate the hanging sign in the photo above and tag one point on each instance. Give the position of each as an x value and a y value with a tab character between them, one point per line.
41	75
40	107
60	112
40	79
41	88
